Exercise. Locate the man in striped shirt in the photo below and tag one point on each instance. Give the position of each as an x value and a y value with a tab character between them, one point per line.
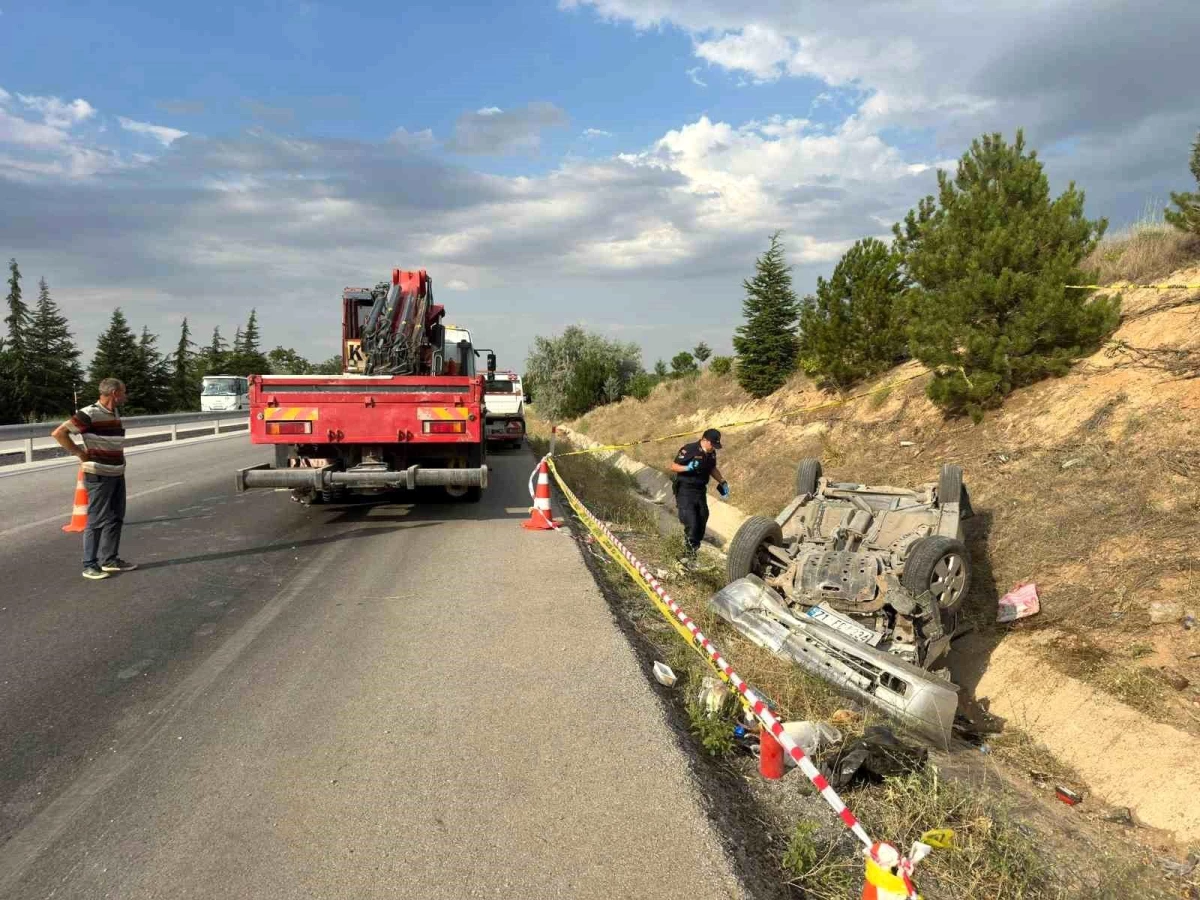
103	458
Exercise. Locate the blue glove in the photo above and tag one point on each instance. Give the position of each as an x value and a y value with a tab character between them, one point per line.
723	489
693	465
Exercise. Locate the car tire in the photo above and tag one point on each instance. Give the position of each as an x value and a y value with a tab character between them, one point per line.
746	550
950	484
808	473
939	566
473	495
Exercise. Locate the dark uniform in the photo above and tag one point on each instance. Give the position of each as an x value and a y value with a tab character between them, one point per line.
692	496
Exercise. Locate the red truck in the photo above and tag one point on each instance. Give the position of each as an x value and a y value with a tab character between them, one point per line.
407	412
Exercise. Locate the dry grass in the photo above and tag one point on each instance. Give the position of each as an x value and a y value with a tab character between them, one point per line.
995	854
1147	250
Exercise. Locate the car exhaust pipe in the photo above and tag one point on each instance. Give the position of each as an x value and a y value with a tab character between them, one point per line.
903	691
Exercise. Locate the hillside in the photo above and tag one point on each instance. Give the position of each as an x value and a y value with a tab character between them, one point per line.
1085	485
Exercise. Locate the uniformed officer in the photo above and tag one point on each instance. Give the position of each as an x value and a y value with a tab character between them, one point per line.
693	466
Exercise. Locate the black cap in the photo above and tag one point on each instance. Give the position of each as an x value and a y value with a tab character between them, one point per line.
713	435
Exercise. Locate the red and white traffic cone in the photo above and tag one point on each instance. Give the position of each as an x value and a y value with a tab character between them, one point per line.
79	507
540	516
770	756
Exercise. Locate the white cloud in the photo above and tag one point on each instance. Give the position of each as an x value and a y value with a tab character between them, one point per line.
590	133
416	140
457	284
695	79
58	113
161	133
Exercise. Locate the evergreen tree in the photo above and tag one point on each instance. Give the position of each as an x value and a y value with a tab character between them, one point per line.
16	356
1187	217
246	358
854	325
213	361
117	356
702	352
766	344
55	374
185	388
250	337
721	365
150	389
989	259
660	369
9	412
683	363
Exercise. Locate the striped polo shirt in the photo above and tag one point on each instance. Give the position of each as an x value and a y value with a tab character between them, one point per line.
103	438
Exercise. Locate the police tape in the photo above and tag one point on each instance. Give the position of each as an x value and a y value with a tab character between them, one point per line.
1120	285
762	420
685	625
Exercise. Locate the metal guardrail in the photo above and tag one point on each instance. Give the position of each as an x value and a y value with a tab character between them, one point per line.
169	422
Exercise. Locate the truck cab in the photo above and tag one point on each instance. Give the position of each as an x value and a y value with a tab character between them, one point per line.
504	409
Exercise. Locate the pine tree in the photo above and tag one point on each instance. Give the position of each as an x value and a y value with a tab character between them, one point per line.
250	336
1187	217
117	356
150	388
766	344
990	258
660	369
702	352
854	326
683	363
184	388
16	357
55	374
246	358
213	362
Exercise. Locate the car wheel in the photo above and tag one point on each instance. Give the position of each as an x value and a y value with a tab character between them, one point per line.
950	484
808	473
939	566
748	554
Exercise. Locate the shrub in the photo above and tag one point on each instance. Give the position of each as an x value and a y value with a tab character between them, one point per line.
721	365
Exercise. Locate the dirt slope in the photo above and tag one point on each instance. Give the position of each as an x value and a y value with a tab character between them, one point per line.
1086	485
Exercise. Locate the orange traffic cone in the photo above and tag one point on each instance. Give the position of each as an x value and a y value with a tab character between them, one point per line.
540	516
79	507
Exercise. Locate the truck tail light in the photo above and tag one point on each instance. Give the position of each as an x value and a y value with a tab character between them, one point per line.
515	427
430	427
289	428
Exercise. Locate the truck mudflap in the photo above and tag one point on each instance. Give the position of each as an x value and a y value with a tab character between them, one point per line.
264	476
926	704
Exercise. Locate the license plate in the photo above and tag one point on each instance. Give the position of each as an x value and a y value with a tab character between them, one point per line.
845	625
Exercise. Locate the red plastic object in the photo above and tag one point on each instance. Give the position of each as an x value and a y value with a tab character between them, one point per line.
770	756
1067	796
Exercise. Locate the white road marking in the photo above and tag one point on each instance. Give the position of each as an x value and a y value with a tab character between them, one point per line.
67	516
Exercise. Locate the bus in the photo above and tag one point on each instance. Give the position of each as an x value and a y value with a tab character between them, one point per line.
221	392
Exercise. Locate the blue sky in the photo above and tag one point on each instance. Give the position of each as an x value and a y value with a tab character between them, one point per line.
617	163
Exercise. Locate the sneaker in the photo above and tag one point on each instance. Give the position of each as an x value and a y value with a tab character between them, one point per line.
118	565
95	574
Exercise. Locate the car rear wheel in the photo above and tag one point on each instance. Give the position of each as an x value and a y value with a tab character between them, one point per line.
808	473
941	567
748	553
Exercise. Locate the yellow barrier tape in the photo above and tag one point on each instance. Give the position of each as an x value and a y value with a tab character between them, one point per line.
1119	285
585	517
787	414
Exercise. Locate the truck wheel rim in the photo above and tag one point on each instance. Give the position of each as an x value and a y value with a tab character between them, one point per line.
949	580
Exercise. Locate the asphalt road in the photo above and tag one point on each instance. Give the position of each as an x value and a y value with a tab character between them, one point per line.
361	700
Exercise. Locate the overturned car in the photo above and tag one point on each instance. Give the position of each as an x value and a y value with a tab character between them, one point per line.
860	584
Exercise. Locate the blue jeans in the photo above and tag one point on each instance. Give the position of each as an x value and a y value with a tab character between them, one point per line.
106	515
